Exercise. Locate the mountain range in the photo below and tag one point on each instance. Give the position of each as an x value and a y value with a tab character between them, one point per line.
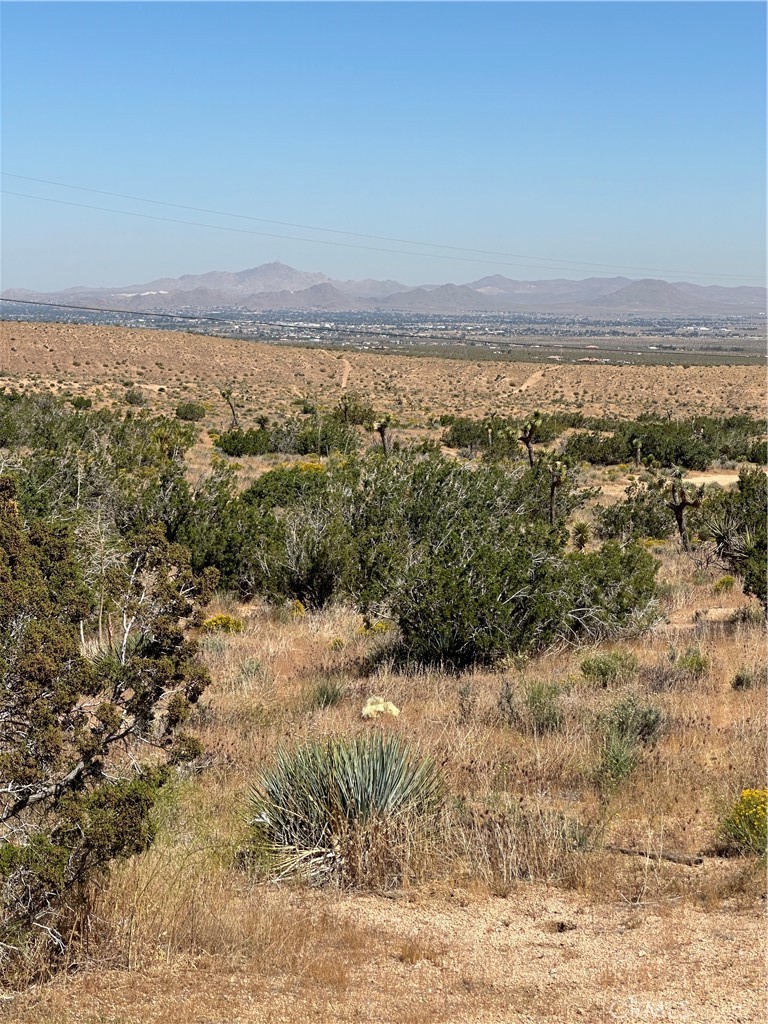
275	286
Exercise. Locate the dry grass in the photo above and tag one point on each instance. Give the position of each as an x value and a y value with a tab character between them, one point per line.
481	930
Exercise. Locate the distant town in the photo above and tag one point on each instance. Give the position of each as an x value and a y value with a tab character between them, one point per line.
622	339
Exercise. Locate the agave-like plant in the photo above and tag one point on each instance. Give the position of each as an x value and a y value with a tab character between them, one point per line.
315	804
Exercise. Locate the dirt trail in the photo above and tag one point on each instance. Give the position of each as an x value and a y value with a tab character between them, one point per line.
533	379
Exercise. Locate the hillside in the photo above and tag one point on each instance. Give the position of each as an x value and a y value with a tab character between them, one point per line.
91	358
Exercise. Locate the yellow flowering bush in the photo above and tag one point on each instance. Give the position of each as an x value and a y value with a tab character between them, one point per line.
223	624
745	828
377	627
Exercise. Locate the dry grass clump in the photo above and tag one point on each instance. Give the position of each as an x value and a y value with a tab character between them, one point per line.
517	840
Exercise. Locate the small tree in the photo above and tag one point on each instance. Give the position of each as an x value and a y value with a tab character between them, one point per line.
227	395
558	474
75	719
353	411
679	498
384	432
528	435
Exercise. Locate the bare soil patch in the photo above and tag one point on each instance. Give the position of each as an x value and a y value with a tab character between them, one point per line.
537	955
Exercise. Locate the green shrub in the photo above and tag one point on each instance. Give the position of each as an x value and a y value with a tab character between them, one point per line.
677	671
316	435
223	624
185	749
80	402
326	693
743	680
135	397
744	830
66	714
608	669
354	409
477	597
642	514
192	411
736	522
244	442
343	808
692	661
618	759
634	721
724	585
535	709
625	728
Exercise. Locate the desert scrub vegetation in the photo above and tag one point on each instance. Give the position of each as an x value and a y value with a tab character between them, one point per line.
534	706
744	829
344	809
402	573
222	623
314	434
692	443
79	697
608	669
625	729
192	411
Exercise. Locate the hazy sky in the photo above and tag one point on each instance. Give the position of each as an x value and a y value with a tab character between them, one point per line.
627	134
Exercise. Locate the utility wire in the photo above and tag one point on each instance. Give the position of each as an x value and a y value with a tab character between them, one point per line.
131	312
576	264
268	234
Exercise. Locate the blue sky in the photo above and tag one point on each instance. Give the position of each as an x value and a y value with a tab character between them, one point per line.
625	134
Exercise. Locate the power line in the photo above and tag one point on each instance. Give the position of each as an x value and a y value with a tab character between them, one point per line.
576	264
129	312
268	234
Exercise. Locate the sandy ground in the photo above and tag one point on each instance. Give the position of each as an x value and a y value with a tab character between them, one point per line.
269	377
538	955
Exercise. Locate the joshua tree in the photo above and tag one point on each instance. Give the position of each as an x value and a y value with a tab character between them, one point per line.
345	404
226	394
637	444
383	430
528	434
558	473
678	499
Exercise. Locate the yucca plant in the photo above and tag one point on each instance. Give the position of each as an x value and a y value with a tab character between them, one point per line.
344	809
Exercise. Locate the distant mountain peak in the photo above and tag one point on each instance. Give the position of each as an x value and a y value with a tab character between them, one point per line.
276	285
